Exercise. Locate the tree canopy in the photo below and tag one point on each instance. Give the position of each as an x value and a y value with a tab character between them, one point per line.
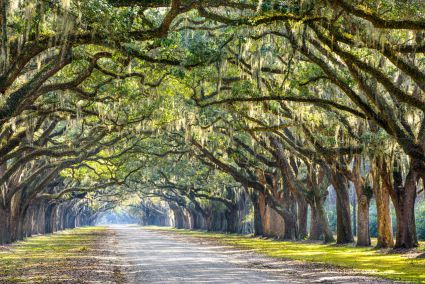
208	106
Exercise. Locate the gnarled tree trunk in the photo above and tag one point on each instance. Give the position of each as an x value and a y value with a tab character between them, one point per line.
404	205
403	198
363	234
344	233
381	189
291	224
319	226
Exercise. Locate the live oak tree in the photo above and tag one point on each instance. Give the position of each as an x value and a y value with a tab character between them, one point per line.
213	106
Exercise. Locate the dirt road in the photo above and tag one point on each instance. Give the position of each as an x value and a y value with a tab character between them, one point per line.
161	257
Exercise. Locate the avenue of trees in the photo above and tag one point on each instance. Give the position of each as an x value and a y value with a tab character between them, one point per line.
232	115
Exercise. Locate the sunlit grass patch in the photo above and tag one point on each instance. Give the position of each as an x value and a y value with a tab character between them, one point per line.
369	260
48	258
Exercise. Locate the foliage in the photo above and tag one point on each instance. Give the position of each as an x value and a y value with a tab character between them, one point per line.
111	101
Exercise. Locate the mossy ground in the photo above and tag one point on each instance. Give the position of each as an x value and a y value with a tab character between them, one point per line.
70	256
401	267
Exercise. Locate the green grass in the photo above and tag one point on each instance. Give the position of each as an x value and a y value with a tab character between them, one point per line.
368	260
47	258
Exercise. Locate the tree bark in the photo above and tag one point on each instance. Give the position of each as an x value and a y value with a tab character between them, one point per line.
291	222
355	208
316	231
258	224
302	218
403	198
363	234
319	229
196	219
49	217
404	204
324	224
344	232
232	220
16	219
363	194
5	236
291	232
381	189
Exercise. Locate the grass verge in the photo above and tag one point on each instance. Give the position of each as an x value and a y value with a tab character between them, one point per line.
400	267
70	256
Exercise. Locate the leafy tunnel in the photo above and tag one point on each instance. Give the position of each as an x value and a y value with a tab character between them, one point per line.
292	119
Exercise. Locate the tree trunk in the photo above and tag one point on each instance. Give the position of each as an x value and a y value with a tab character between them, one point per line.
49	217
197	219
355	208
178	219
324	223
262	210
406	228
344	233
291	223
16	224
403	199
5	236
302	218
381	189
319	220
385	227
404	207
362	195
291	231
363	234
258	223
232	220
316	231
16	228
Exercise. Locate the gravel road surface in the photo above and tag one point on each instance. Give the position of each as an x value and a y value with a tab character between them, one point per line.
150	256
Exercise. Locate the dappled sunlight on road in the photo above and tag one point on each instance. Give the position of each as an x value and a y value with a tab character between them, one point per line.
157	257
